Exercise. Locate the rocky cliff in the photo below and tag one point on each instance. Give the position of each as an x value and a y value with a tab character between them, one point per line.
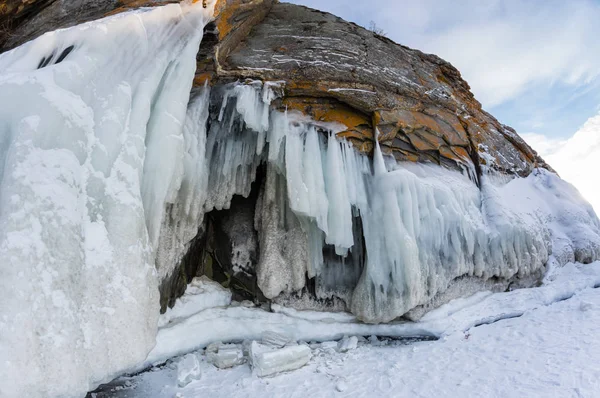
335	71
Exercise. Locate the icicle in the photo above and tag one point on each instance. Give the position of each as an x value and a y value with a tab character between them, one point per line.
284	244
314	179
298	192
423	225
186	213
340	213
378	162
231	149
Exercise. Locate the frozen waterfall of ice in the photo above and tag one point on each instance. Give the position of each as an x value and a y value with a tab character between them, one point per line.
91	149
424	226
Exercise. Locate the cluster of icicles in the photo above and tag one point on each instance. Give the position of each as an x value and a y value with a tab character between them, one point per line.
423	226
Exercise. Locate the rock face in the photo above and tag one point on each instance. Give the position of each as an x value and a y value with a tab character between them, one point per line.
337	71
334	73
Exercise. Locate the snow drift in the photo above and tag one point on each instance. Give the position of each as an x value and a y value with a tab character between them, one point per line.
108	167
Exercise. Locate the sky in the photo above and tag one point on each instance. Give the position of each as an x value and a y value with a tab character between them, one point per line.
533	64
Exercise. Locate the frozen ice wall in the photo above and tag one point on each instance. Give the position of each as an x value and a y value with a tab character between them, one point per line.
92	146
424	227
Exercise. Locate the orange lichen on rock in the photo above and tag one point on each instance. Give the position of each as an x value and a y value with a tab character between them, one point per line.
325	110
202	78
127	5
358	125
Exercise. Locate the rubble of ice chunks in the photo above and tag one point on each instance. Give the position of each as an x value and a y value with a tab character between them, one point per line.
275	353
329	345
213	347
225	356
375	342
347	344
188	369
268	361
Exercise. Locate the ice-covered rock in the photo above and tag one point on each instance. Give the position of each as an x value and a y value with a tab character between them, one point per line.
188	369
327	212
268	362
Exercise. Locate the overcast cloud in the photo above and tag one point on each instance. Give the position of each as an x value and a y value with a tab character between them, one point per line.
576	159
533	62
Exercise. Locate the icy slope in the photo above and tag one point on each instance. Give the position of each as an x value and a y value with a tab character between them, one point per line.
91	145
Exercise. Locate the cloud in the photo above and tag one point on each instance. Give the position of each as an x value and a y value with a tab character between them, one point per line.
502	47
576	159
545	146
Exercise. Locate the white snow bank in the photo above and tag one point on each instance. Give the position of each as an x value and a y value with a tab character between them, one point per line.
90	151
237	324
202	293
562	284
551	350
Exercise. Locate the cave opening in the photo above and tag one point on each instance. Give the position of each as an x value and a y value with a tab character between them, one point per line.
226	250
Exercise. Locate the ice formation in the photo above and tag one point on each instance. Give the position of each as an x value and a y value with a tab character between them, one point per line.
348	344
226	356
91	148
108	167
423	226
188	370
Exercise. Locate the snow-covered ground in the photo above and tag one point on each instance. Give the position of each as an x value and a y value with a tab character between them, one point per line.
537	342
